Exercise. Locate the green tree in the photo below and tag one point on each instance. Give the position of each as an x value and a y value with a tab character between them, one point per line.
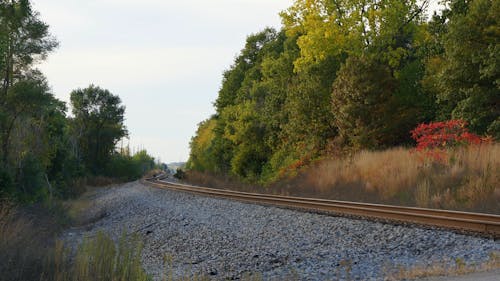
24	38
145	162
240	87
468	80
360	101
389	68
201	157
330	29
97	124
36	139
329	32
233	82
32	121
126	167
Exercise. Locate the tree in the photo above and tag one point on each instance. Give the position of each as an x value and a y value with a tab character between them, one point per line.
468	83
240	88
33	140
361	102
331	29
24	38
97	124
233	82
26	98
200	157
350	74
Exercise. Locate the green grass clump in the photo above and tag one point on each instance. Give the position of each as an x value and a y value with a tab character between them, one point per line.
101	259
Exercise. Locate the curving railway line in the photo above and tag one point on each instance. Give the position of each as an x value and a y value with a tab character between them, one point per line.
485	224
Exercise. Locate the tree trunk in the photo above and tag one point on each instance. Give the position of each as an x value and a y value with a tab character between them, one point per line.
50	187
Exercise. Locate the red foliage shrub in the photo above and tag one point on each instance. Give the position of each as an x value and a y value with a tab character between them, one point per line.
434	138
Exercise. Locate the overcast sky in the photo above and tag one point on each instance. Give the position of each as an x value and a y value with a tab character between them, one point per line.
164	58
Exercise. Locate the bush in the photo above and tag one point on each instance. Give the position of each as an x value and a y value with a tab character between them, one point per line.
31	184
180	174
122	167
128	168
434	138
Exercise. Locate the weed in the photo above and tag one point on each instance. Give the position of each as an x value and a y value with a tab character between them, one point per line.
99	258
443	269
23	244
29	252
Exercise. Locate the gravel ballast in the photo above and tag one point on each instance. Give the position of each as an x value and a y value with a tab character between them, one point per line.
225	239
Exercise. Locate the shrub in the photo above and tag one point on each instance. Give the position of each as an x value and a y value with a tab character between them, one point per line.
31	185
180	174
434	138
127	168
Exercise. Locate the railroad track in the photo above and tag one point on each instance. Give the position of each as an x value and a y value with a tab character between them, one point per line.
485	224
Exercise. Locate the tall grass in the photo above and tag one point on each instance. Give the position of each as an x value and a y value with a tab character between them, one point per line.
29	251
20	246
467	181
101	259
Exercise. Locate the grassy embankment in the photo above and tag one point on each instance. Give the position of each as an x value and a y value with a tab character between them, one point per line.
30	250
467	181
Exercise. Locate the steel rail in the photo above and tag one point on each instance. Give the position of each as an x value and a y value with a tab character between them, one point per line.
464	221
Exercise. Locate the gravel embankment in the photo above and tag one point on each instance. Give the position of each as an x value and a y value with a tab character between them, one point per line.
226	239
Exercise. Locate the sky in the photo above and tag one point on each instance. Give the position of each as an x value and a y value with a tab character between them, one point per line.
164	58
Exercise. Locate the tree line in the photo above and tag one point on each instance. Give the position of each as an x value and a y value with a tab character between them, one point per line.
43	150
347	75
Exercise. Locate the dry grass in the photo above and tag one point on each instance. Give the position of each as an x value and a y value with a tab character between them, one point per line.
82	211
23	243
468	181
81	185
221	182
29	251
445	269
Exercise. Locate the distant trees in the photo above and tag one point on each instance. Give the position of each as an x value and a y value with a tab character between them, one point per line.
201	146
97	125
349	75
128	167
42	151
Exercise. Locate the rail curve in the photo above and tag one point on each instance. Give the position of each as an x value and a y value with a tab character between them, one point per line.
485	224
